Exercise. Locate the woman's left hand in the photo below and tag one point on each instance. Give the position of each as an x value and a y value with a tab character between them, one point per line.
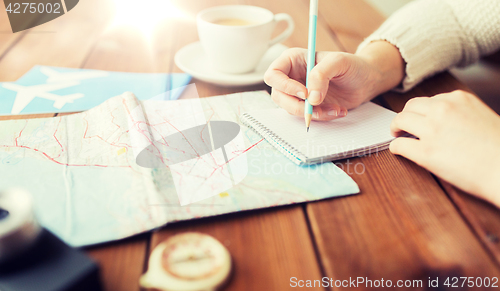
458	140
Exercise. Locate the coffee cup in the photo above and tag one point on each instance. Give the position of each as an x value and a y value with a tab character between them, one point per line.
235	37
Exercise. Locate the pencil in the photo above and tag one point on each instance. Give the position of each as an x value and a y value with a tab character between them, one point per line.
311	56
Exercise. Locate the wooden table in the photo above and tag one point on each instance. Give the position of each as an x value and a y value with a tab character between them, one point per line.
406	224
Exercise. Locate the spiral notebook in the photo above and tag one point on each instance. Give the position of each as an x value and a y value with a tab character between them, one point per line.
363	131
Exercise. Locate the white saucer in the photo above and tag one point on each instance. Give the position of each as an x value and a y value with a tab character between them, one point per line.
192	60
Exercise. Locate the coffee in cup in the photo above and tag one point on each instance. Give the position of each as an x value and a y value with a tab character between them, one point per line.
235	37
233	22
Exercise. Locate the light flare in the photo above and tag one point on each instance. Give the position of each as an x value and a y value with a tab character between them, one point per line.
145	15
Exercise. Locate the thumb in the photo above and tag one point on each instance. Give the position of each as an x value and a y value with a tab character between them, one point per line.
333	65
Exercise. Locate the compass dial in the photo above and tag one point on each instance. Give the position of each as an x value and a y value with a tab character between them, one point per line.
189	261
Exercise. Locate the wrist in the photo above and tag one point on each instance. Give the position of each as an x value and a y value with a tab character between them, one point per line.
387	65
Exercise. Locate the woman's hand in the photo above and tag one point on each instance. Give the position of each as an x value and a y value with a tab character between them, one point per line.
339	81
458	140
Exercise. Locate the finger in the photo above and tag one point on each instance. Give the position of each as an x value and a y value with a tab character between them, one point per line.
325	112
291	104
419	105
330	110
331	66
407	147
295	106
409	122
278	76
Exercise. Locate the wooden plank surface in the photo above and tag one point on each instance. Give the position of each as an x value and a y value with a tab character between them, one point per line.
351	20
121	48
481	216
189	34
64	41
263	243
299	12
125	48
74	40
267	246
121	263
7	38
424	256
61	42
402	226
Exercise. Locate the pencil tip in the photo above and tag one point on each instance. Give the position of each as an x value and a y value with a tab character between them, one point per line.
307	129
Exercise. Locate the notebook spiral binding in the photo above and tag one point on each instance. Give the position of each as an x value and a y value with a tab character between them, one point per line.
281	145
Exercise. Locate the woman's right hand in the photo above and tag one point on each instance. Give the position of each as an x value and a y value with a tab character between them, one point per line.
339	81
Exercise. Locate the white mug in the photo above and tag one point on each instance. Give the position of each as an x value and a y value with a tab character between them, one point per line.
238	49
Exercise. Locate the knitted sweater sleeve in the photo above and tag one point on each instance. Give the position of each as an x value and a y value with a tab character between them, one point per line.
434	35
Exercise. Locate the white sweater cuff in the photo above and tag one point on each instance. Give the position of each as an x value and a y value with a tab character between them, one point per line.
427	36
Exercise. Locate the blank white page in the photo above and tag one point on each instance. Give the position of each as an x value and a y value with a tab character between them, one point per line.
364	127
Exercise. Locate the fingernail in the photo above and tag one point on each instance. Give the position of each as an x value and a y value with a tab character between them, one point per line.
333	113
315	114
314	97
343	112
301	95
